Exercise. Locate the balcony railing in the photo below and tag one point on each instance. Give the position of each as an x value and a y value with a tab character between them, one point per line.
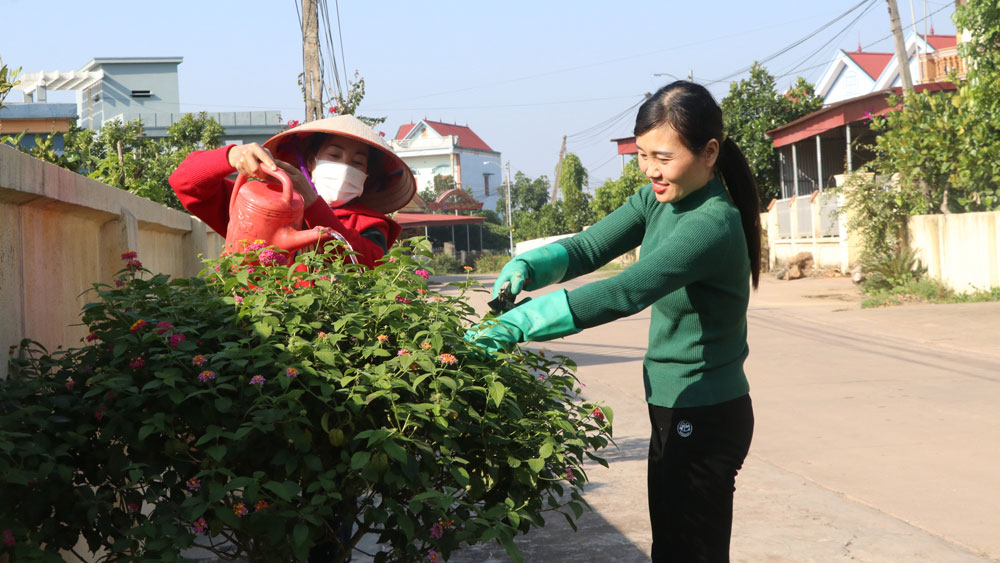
938	65
445	142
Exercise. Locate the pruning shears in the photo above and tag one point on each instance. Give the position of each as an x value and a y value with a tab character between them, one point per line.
504	301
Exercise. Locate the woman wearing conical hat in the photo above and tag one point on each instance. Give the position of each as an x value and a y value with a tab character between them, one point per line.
348	177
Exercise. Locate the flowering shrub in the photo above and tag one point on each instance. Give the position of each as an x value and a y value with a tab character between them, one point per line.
263	413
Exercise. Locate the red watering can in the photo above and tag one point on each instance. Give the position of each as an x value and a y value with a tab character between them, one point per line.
268	211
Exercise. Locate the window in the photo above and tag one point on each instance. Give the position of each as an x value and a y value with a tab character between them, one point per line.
141	94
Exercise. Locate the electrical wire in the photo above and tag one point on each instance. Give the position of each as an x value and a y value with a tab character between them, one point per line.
793	45
843	31
340	35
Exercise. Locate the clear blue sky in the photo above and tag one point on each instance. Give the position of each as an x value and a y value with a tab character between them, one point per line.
520	74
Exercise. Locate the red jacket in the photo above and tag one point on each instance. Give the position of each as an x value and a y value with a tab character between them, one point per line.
200	183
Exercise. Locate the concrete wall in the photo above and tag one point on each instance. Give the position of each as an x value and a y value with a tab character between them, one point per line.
60	232
960	249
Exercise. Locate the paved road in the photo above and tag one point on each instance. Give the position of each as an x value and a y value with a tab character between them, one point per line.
877	434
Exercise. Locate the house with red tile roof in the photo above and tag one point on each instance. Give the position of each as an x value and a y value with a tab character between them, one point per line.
431	148
857	73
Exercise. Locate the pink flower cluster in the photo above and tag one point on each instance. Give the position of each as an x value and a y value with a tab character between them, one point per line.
136	362
138	325
176	339
163	326
270	257
199	526
132	263
8	538
70	383
293	123
423	273
92	337
448	359
206	375
403	300
193	484
198	360
257	380
261	505
598	414
240	509
291	372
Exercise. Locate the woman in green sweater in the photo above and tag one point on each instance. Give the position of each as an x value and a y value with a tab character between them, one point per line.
698	223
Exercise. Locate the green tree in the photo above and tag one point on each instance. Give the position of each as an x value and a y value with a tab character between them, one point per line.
613	193
527	195
190	133
548	220
439	185
754	106
8	80
576	202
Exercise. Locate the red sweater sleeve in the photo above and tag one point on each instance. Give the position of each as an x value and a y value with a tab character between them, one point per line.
350	221
200	183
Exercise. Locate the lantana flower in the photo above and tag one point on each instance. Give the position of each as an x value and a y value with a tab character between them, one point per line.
193	484
206	375
136	362
383	338
422	273
291	372
92	337
240	509
199	526
163	326
138	325
437	531
70	383
433	556
448	359
8	538
198	360
130	255
261	505
257	380
403	352
176	339
598	414
425	345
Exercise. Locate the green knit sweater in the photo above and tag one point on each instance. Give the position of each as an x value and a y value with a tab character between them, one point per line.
693	270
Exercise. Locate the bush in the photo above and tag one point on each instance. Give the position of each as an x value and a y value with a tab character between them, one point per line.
444	263
490	263
270	403
887	270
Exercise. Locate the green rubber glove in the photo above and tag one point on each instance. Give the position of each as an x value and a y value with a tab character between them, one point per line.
542	318
534	269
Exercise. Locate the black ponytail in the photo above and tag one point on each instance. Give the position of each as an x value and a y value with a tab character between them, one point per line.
691	111
736	173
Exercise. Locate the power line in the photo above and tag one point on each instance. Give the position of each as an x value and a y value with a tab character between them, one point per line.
340	35
793	45
836	36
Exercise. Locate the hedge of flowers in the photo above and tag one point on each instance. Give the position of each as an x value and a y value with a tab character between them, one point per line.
262	409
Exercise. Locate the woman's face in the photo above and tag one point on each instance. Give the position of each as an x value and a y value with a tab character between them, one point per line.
343	150
673	169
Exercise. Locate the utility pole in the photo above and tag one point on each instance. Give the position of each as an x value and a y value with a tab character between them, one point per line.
555	183
312	78
901	57
510	224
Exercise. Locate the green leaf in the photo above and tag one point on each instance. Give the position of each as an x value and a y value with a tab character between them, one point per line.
536	464
360	459
263	329
394	450
283	491
223	404
216	452
497	391
545	451
460	475
300	535
328	357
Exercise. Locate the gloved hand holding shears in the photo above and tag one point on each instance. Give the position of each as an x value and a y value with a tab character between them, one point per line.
544	318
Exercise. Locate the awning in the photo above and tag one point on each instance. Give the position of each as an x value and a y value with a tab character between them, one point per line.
844	112
413	220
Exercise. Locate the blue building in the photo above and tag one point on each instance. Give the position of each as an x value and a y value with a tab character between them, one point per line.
129	88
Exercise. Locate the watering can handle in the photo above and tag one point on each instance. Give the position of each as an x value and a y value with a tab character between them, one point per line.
286	187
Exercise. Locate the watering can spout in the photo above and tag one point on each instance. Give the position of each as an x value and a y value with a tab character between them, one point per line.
291	240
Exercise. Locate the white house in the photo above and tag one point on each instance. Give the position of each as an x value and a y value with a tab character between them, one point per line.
431	148
856	73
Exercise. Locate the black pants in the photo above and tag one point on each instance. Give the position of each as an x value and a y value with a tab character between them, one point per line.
694	455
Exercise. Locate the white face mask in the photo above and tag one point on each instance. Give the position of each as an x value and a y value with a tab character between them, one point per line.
336	182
